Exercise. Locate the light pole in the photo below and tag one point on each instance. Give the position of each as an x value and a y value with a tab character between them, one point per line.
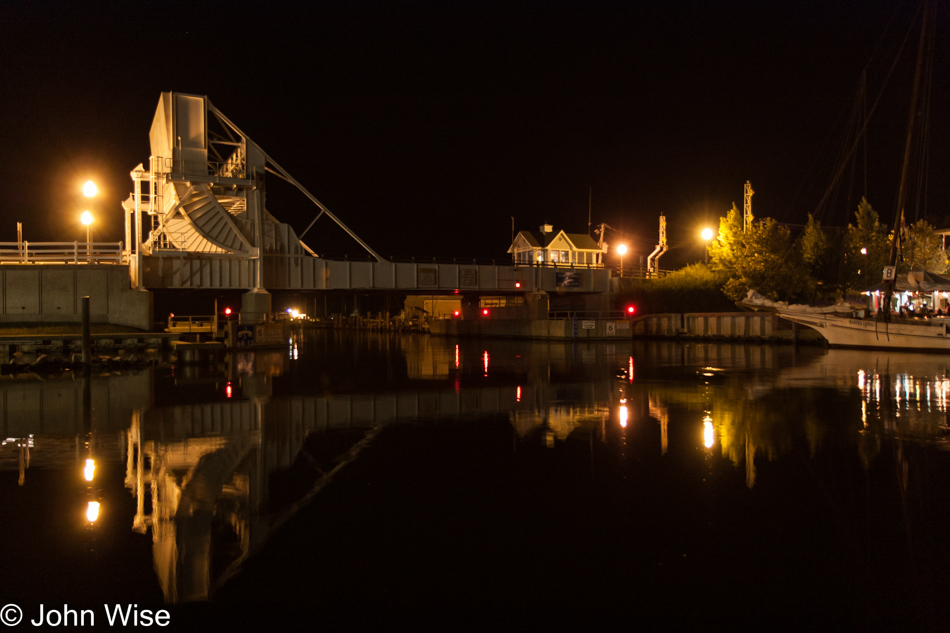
620	251
87	219
707	237
89	190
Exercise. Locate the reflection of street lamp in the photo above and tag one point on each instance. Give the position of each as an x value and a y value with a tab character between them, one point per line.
621	250
707	237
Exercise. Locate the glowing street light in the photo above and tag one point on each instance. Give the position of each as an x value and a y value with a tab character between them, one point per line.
707	235
621	250
87	219
89	189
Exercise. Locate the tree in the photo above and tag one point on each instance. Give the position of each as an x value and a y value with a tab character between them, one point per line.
724	251
821	257
814	244
923	249
762	258
867	249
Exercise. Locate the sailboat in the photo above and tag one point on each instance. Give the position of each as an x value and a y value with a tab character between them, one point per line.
840	325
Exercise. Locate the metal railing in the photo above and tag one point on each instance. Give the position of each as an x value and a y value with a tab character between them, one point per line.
617	315
61	253
194	324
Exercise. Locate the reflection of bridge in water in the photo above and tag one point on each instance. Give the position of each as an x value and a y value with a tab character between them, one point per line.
202	474
209	478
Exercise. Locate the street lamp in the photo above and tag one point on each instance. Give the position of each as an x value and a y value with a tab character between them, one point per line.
89	189
620	251
707	237
87	219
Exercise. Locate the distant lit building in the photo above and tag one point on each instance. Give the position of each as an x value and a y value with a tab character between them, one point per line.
547	248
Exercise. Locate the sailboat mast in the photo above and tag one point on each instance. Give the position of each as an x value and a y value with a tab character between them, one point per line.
901	190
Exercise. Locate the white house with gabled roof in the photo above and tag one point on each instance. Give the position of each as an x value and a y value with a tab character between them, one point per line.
548	248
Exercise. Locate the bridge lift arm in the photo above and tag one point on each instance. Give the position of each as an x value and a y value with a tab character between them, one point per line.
280	171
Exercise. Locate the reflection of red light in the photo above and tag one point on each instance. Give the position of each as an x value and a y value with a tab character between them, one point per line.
518	394
456	291
227	390
484	311
485	358
630	369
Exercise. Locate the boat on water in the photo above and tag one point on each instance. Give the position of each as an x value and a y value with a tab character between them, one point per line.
842	326
852	326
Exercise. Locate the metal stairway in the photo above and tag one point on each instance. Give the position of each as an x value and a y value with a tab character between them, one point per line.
207	219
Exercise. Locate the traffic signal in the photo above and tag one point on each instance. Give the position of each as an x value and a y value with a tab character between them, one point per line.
630	311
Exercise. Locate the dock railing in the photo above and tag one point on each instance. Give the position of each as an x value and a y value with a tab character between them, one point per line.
192	324
61	253
616	315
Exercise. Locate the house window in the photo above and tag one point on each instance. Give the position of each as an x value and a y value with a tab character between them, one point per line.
565	257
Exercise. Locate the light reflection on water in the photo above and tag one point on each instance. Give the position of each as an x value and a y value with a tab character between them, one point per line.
215	458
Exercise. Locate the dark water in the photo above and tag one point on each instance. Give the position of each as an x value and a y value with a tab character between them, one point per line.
396	483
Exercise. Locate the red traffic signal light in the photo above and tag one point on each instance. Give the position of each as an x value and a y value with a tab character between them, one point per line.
631	310
485	312
456	314
227	311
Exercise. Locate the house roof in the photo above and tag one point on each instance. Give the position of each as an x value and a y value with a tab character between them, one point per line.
580	241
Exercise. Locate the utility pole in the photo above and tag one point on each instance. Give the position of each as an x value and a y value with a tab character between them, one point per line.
747	208
590	195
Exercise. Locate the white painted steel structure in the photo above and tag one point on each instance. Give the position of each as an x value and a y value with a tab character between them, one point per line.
62	253
197	219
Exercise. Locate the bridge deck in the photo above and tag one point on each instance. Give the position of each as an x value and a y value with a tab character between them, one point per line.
290	272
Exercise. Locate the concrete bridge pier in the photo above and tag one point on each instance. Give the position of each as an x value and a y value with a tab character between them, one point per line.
537	305
255	306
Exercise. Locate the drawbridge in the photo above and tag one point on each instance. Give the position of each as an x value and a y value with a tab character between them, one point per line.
197	219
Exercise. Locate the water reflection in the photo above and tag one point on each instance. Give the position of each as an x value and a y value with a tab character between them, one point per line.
215	458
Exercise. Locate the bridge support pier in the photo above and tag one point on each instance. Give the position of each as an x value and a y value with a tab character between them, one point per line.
255	306
537	305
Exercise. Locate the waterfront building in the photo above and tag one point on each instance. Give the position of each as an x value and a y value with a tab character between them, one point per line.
548	248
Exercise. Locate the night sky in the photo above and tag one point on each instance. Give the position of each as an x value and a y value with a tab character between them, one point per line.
427	126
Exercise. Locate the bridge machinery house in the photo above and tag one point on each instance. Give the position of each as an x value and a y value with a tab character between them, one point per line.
548	248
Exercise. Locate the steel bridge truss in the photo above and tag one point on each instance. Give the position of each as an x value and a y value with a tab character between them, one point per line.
203	194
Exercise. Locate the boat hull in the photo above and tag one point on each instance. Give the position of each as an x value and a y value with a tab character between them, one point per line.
851	332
